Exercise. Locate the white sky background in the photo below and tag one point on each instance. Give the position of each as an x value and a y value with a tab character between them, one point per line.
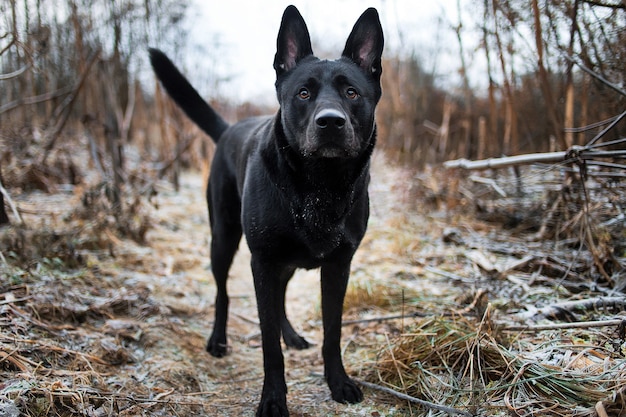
235	40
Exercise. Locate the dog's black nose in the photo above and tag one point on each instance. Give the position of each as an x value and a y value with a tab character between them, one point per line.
330	118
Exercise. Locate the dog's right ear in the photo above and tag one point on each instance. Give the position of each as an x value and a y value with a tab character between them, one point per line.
365	43
293	43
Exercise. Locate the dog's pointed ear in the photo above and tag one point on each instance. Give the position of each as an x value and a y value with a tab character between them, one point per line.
365	43
293	43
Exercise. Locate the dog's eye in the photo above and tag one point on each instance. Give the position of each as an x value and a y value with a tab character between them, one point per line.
304	94
351	93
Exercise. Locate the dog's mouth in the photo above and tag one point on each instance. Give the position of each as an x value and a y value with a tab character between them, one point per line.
320	145
331	150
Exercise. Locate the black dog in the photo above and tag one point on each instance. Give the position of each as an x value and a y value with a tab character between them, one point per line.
296	185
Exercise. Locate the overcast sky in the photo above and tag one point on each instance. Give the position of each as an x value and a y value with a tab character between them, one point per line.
237	38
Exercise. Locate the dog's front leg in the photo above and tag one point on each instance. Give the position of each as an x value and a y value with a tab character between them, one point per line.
268	294
334	284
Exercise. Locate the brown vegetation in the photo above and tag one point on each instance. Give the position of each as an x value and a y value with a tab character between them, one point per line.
492	292
533	107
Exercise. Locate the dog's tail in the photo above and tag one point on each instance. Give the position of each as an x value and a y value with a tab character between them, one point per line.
186	96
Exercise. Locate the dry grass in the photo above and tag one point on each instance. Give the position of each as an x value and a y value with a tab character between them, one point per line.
469	365
94	342
374	294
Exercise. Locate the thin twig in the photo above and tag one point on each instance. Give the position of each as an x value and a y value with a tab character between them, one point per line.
14	74
589	127
607	164
607	174
595	75
35	99
606	129
609	143
427	404
604	154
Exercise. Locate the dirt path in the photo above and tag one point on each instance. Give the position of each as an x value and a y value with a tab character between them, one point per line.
176	269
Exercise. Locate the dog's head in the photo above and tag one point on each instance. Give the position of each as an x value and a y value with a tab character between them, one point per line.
327	107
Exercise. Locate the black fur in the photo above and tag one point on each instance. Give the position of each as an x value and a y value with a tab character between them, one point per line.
296	184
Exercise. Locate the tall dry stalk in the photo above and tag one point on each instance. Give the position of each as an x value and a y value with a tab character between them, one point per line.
546	85
510	142
492	133
569	84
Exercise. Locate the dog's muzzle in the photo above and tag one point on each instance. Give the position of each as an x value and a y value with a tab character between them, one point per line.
330	135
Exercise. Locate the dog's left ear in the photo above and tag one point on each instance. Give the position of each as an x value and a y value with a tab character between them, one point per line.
365	43
293	43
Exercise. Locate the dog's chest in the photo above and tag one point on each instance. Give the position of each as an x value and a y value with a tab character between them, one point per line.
320	220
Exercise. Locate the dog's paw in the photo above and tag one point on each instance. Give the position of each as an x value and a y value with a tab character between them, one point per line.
346	391
272	407
216	348
296	341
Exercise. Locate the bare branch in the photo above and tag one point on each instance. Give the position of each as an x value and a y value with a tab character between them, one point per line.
34	100
596	75
7	47
14	74
507	161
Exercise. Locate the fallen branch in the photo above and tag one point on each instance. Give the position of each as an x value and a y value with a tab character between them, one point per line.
427	404
507	161
566	309
559	326
575	154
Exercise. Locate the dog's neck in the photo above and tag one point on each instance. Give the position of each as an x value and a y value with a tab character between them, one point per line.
334	175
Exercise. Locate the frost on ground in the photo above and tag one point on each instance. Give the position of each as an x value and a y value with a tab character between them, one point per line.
121	329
